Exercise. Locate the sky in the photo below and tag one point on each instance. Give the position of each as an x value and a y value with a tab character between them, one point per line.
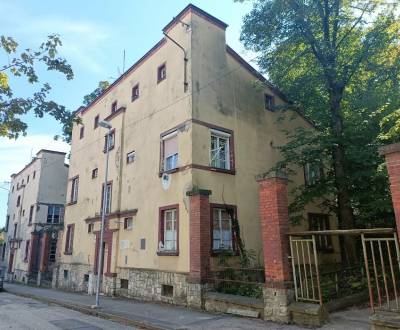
94	34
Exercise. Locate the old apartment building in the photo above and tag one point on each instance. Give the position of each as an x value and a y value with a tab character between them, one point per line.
34	216
192	125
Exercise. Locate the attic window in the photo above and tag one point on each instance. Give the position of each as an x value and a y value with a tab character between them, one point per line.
161	72
269	102
114	107
135	92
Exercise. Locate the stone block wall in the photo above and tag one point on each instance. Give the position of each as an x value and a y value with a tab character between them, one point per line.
72	277
19	276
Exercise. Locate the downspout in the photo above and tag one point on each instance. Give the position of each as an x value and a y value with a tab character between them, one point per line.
185	60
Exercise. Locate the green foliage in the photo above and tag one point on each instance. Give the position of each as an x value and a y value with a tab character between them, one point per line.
24	64
338	62
103	85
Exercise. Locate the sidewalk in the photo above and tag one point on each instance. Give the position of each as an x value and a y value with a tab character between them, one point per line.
148	315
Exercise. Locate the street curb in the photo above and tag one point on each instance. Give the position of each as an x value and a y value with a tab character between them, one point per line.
89	311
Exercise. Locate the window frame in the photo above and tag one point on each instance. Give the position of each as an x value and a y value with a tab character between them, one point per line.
96	121
18	200
134	95
81	132
106	137
109	184
90	227
161	230
228	152
114	107
126	226
327	246
50	256
234	250
60	213
306	171
160	68
269	106
128	155
95	173
31	210
69	239
27	245
74	189
163	156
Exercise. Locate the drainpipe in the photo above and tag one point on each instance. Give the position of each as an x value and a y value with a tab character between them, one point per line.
185	60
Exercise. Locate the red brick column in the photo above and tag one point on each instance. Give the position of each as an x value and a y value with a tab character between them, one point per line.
44	253
200	235
33	250
392	157
274	218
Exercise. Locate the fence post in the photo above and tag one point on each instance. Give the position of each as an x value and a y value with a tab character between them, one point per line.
274	217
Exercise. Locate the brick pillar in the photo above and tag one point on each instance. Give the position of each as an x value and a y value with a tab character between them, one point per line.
274	218
200	245
33	250
392	157
44	253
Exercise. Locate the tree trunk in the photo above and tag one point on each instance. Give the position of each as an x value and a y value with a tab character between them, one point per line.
345	211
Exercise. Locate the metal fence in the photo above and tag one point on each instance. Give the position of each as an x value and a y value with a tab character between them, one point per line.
239	281
379	275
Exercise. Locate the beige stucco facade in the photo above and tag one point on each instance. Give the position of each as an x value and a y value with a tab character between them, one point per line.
39	186
223	93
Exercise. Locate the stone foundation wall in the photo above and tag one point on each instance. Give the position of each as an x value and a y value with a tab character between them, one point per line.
19	276
153	285
72	277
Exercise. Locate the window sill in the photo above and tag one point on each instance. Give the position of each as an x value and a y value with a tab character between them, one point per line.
160	80
68	253
224	252
105	151
168	253
222	170
174	170
72	203
134	98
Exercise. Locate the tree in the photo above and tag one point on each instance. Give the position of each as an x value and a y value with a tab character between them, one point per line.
87	100
338	63
25	64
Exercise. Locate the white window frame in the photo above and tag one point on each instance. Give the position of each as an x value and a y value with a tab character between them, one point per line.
108	197
174	157
173	231
221	232
54	206
219	135
129	223
130	157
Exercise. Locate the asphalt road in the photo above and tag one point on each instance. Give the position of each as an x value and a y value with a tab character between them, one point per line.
24	313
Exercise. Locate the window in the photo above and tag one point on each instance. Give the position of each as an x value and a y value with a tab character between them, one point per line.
74	189
161	72
18	201
170	150
81	132
12	188
26	250
167	290
53	250
23	212
318	222
3	253
108	196
27	179
65	274
312	173
54	213
168	233
69	240
7	223
34	174
128	223
269	102
15	230
222	234
124	283
109	139
95	172
23	181
90	228
135	92
96	121
31	210
114	106
220	157
130	157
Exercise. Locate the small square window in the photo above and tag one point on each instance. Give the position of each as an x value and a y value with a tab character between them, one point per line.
86	278
135	92
130	157
128	223
167	290
109	139
114	107
95	173
96	121
90	228
124	283
161	72
269	102
82	132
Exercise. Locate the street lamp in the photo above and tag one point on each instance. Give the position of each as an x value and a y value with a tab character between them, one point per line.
108	126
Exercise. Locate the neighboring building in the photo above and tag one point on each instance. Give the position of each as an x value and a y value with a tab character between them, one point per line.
2	251
190	131
34	216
